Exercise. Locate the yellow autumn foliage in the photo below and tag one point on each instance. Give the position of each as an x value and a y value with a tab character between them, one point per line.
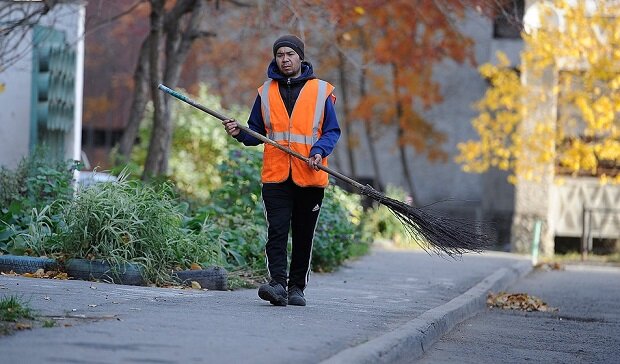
581	136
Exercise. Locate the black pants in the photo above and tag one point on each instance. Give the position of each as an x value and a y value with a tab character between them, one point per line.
290	207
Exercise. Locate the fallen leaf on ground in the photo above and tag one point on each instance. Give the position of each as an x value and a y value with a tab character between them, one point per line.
518	301
195	266
23	326
63	276
196	285
40	273
549	266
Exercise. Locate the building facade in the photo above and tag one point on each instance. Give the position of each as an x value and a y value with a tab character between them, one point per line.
42	74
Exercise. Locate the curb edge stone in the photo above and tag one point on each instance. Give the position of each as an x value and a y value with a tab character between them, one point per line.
412	340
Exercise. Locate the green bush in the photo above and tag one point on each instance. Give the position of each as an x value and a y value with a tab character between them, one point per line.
235	210
339	234
37	184
381	222
129	221
199	146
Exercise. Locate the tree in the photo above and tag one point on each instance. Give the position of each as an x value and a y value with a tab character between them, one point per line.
17	21
353	38
577	49
163	52
401	42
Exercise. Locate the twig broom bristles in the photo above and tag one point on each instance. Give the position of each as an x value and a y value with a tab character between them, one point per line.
437	233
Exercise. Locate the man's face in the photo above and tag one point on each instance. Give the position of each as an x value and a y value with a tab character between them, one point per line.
288	62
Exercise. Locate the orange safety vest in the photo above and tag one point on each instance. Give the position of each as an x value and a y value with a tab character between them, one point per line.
298	133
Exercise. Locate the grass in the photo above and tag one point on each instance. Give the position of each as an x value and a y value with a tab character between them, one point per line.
14	315
128	221
13	309
245	278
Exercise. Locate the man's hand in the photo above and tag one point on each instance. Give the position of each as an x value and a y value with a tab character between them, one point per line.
231	126
314	161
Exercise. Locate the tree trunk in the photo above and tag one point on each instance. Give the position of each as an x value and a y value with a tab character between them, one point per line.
140	99
161	129
178	45
142	84
346	114
401	145
370	133
368	126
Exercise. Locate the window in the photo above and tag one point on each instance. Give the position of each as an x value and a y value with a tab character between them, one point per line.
98	138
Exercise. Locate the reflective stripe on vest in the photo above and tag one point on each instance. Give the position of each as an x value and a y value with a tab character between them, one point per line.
267	114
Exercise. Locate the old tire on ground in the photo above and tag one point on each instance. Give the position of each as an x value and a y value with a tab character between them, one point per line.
24	264
85	269
215	278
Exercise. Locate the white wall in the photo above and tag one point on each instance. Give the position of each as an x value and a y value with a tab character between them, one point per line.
15	101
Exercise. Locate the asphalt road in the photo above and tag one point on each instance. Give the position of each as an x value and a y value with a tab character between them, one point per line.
585	329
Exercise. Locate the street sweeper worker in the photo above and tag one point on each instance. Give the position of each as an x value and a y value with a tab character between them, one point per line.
295	109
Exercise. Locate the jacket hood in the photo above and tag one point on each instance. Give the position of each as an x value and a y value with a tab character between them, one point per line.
307	72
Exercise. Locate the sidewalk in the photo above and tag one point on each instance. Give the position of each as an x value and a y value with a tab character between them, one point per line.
352	315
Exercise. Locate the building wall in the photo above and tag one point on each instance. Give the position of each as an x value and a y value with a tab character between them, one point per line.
16	133
15	105
560	204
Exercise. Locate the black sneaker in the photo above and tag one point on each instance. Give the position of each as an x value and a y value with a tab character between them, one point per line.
296	296
274	293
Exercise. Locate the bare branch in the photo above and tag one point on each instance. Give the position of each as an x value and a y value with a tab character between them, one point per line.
115	17
241	3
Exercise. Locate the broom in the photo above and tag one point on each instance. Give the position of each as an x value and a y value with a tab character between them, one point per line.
436	233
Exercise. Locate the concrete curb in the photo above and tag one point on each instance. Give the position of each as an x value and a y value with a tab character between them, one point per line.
411	341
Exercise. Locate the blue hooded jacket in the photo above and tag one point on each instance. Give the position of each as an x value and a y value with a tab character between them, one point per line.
289	90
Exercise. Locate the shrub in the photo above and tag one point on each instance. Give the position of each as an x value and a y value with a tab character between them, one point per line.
339	233
381	222
37	184
235	211
128	221
199	146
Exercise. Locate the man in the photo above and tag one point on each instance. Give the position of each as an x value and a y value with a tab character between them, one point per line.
296	110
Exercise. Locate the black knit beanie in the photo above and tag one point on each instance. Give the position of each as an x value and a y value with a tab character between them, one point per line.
290	41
